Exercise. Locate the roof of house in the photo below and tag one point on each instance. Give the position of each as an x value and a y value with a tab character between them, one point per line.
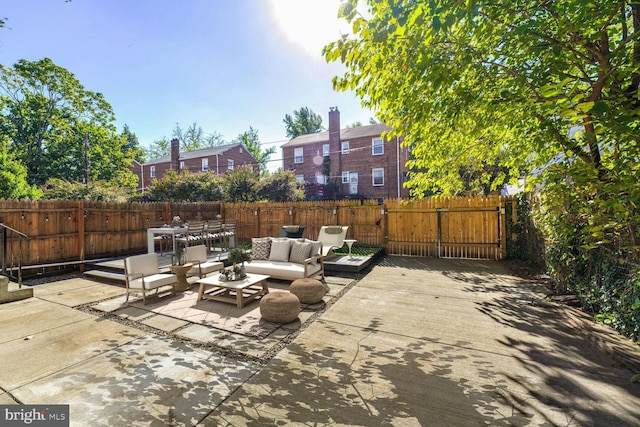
196	154
345	134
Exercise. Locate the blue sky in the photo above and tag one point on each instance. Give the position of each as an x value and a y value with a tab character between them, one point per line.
224	64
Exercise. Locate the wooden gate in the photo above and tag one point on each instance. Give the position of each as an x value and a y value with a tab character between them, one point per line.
447	228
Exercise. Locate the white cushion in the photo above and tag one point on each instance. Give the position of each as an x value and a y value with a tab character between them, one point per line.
281	270
205	268
153	281
280	250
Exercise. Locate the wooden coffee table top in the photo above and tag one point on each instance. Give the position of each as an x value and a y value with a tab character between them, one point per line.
251	279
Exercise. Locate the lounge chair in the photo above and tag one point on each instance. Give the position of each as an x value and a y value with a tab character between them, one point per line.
143	275
292	231
201	264
332	237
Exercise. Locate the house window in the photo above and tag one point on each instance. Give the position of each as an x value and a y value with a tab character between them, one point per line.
152	171
230	164
321	178
297	155
300	178
325	150
181	165
345	147
377	147
377	175
205	164
345	177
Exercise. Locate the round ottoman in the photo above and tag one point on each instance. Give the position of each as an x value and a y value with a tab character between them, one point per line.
308	291
279	307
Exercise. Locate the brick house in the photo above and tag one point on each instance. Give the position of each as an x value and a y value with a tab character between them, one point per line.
351	162
218	160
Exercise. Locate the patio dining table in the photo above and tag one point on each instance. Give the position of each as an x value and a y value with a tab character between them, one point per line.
168	230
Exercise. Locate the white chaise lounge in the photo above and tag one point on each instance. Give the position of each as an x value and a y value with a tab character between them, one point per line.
332	237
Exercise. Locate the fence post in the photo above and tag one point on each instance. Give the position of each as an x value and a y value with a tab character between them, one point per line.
81	230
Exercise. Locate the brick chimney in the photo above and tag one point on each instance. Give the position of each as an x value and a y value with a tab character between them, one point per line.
334	144
175	155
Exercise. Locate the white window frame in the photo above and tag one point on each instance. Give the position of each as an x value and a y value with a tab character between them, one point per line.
321	178
181	165
325	150
152	171
300	178
379	171
377	143
344	147
298	155
345	177
205	164
230	164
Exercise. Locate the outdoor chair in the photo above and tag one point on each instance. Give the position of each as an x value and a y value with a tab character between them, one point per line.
292	231
201	264
213	233
332	237
142	275
229	232
193	236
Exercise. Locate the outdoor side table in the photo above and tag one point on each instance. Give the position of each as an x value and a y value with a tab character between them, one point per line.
181	272
350	243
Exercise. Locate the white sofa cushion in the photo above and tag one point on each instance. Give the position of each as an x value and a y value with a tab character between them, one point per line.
280	249
281	270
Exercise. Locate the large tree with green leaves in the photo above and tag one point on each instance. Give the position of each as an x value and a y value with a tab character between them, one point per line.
13	176
251	140
302	122
544	88
57	128
468	82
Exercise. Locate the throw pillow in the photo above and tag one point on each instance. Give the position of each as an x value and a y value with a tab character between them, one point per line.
333	229
299	252
280	250
260	248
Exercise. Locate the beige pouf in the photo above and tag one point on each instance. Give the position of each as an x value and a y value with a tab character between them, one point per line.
280	307
308	291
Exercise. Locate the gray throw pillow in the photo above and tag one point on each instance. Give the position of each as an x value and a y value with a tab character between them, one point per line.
280	250
260	248
299	252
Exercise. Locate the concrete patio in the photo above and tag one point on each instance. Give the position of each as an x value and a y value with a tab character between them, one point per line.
415	342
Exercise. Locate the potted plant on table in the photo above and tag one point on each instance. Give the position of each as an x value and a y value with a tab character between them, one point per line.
238	257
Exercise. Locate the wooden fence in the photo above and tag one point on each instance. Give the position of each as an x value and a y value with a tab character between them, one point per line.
63	230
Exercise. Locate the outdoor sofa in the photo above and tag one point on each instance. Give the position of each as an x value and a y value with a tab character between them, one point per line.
286	258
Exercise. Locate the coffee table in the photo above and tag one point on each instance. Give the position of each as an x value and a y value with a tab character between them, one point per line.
238	291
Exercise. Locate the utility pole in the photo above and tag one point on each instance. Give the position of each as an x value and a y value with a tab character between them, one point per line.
85	179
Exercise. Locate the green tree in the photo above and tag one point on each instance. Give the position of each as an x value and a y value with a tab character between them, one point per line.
281	186
240	185
47	114
302	122
13	176
101	191
550	87
252	142
194	138
132	145
159	148
187	187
